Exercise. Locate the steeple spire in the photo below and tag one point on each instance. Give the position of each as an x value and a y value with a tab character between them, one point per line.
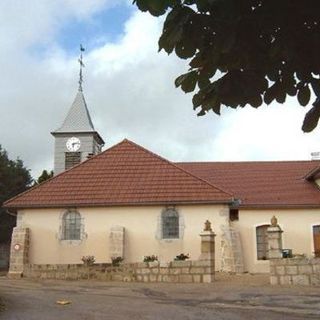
77	138
82	49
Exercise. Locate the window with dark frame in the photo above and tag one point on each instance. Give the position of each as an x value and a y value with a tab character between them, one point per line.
170	224
71	226
316	240
234	215
262	242
72	159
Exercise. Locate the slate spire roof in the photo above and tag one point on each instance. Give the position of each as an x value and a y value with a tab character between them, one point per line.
125	174
78	118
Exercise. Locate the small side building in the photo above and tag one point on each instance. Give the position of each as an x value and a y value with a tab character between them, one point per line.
288	190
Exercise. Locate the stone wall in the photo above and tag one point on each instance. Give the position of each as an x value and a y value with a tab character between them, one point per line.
175	271
19	251
201	270
296	271
289	271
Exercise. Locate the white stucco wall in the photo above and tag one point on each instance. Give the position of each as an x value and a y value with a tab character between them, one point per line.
297	232
141	233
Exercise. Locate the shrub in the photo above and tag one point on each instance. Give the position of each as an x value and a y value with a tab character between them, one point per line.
88	260
182	257
116	261
150	258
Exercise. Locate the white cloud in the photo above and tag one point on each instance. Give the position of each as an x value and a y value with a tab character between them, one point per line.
130	93
25	23
270	132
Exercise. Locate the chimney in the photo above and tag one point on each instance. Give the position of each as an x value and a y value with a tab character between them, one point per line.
315	155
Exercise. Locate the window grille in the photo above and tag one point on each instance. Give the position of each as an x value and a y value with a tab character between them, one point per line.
71	226
170	224
262	242
71	159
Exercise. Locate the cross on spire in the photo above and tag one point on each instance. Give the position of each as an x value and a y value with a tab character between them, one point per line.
82	49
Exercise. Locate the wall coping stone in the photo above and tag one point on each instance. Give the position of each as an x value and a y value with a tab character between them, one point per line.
181	263
174	271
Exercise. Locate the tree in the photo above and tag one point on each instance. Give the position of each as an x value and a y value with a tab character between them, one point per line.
14	178
45	175
244	52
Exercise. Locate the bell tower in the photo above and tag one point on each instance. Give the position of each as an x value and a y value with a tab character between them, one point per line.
76	139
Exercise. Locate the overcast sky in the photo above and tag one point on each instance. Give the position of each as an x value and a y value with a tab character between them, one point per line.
128	86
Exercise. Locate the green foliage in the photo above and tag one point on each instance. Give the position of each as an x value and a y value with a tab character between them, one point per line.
115	261
14	179
88	260
45	175
150	258
263	50
182	257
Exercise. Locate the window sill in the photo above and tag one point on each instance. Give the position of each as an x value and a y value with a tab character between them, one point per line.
262	261
71	242
170	240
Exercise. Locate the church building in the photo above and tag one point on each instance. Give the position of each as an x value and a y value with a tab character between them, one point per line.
159	206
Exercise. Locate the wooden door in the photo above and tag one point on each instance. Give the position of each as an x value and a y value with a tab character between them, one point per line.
316	240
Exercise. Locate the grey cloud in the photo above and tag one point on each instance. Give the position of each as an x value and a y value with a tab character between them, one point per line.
130	93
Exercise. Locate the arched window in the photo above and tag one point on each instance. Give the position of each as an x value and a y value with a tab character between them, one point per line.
262	242
170	224
71	225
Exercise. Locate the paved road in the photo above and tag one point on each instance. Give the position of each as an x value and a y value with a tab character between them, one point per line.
245	297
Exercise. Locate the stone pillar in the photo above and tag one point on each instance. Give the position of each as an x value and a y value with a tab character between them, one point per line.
208	251
207	242
274	239
19	252
116	244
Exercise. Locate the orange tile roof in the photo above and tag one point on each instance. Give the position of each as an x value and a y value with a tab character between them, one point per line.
125	174
263	184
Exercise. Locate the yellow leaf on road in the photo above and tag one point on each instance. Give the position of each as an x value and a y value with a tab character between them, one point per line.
63	302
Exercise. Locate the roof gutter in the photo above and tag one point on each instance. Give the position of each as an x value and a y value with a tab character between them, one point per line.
278	206
79	205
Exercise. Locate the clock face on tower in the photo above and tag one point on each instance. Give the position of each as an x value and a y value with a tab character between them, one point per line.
73	144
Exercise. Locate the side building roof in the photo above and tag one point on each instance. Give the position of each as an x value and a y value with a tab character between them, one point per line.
266	184
125	174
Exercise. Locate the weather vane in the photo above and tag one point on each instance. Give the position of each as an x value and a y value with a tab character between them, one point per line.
81	66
